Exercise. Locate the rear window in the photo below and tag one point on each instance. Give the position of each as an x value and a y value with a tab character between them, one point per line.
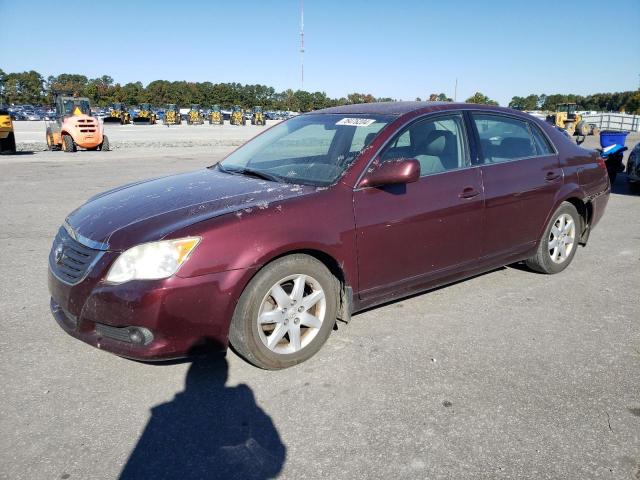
542	144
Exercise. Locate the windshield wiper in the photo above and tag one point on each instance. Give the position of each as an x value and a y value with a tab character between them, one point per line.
252	173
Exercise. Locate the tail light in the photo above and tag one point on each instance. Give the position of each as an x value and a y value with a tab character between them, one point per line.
602	163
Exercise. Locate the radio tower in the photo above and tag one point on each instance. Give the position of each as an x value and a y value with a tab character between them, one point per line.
301	44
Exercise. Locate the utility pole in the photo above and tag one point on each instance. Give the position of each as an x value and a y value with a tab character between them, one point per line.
301	44
455	91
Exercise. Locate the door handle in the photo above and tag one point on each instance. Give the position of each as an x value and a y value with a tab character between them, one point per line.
469	192
551	176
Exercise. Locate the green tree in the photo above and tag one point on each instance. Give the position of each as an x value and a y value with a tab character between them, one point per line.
68	83
2	79
24	87
481	98
132	93
525	103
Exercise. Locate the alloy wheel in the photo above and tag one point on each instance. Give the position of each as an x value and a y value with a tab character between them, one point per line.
562	238
291	314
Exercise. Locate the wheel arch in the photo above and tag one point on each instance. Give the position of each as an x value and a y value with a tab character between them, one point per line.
345	307
574	195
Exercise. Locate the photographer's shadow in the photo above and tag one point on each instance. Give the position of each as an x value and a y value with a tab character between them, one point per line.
208	431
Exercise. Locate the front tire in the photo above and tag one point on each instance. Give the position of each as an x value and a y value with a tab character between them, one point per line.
559	242
286	313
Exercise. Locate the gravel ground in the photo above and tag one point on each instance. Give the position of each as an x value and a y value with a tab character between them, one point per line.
507	375
30	135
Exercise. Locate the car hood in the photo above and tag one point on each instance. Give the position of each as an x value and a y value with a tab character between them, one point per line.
148	211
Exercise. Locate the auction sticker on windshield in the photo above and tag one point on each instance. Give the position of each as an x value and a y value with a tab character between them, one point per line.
356	122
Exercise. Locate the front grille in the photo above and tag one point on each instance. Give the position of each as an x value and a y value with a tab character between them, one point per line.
69	260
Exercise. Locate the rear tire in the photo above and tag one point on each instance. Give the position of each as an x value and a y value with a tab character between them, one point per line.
8	145
559	242
68	144
582	129
105	147
251	338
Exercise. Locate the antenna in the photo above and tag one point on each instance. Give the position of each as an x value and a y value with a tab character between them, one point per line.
301	44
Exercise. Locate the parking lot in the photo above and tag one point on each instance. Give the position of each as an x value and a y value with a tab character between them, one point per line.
508	375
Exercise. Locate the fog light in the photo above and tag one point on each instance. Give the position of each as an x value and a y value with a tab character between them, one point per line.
140	335
135	335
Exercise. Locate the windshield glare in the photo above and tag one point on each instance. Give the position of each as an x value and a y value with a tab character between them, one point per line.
313	149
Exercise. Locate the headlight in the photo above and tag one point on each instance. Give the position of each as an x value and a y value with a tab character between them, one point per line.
151	261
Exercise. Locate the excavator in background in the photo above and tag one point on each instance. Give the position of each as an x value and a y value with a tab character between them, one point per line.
172	115
194	117
566	117
75	127
237	116
215	116
257	117
118	113
145	115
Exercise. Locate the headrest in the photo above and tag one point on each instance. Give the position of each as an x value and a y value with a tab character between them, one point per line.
437	143
369	138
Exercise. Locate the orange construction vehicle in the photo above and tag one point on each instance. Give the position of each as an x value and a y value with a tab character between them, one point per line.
75	127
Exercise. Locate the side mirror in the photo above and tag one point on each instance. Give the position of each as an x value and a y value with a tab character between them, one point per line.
392	172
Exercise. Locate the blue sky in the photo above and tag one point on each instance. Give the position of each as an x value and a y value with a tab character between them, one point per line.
402	49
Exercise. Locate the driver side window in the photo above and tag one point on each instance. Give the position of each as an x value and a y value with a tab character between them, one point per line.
438	144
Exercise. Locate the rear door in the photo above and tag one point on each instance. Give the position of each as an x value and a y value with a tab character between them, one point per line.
521	175
410	235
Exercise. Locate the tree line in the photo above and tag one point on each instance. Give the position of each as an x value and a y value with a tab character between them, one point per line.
602	102
32	88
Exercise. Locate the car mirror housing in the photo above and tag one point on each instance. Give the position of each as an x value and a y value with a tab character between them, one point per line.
392	172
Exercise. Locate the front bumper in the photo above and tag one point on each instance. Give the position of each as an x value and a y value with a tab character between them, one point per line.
183	314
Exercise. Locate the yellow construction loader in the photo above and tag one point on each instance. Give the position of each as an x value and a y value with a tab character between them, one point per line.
237	116
7	138
566	117
215	116
172	115
118	113
145	115
194	117
257	117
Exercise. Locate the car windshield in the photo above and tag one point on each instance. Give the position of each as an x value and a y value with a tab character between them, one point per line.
311	149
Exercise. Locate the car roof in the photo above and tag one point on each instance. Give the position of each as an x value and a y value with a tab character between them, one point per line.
402	108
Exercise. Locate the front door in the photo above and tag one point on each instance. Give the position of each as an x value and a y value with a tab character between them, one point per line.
409	235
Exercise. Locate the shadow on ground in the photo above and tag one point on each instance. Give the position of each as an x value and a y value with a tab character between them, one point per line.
622	187
18	153
208	431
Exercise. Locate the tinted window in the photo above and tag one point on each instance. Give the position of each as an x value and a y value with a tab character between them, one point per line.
438	144
503	138
542	144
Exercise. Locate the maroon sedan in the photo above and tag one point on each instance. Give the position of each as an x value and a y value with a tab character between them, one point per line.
318	217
